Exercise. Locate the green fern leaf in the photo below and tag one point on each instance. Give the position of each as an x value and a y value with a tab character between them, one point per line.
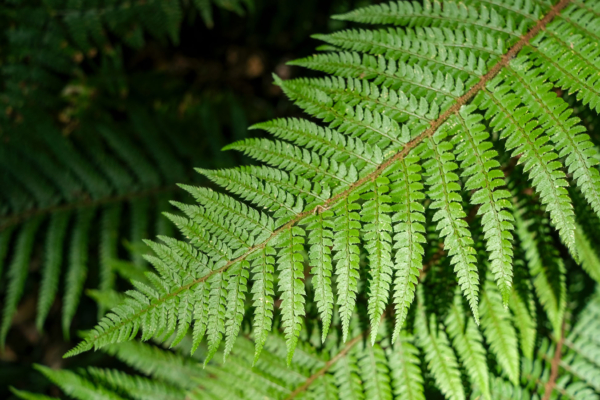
17	273
320	239
405	369
262	194
77	271
396	45
441	360
499	331
406	192
526	139
568	57
553	116
345	244
523	309
222	206
443	190
76	386
480	166
215	325
374	373
324	141
236	297
548	272
347	377
50	273
294	159
291	285
21	394
467	341
262	273
135	386
377	226
589	258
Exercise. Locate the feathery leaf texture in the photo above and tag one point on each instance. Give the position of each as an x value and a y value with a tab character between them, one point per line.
356	369
413	118
72	184
441	359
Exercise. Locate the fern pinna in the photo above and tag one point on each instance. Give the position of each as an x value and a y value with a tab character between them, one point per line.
356	369
416	118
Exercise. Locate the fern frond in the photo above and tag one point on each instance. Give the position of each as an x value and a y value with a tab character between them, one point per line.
324	141
291	285
157	363
371	126
444	191
525	138
297	185
420	81
259	224
548	272
21	394
582	358
467	341
52	263
236	296
76	386
217	302
523	308
264	195
480	166
374	373
345	244
432	14
393	98
568	57
291	158
398	46
406	193
392	103
441	360
568	136
405	370
590	260
347	377
262	274
17	273
231	236
377	226
77	271
499	331
134	386
320	239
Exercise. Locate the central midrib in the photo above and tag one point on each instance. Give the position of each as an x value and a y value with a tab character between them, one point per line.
434	125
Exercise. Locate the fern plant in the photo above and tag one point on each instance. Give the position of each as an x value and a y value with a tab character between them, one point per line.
409	113
82	204
442	172
357	369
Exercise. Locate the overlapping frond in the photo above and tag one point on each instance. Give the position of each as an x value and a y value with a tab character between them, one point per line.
90	195
430	101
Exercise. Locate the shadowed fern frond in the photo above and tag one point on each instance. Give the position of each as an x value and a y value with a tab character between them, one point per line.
423	126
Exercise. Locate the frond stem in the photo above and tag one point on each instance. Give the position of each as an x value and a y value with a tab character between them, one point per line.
373	175
554	367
